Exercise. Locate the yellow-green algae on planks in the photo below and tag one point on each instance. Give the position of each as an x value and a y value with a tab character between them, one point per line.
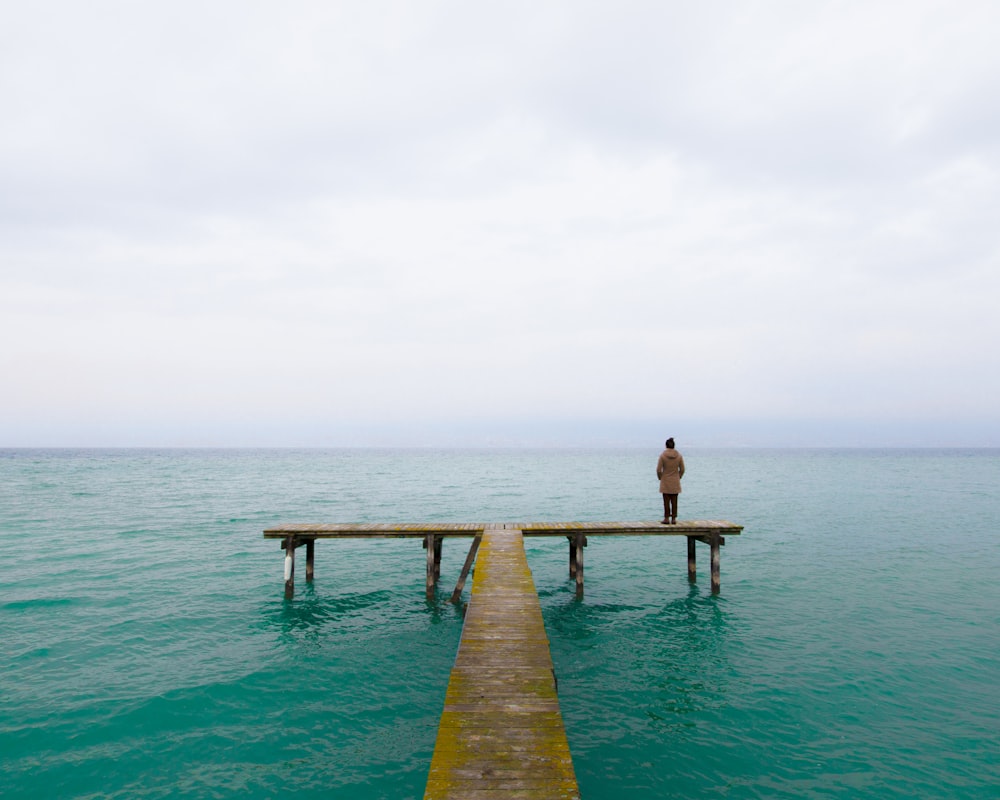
501	733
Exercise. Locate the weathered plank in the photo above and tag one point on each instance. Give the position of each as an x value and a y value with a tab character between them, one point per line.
501	733
447	529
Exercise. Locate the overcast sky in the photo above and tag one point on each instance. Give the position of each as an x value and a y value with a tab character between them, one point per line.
325	223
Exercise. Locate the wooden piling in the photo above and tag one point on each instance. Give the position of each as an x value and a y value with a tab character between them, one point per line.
692	567
289	567
580	543
310	559
431	546
716	576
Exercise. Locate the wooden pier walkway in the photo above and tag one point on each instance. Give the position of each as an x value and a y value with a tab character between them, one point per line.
501	732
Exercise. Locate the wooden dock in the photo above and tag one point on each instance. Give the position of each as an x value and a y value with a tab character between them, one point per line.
293	536
501	733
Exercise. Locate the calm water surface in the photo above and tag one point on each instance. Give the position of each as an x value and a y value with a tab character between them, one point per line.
147	651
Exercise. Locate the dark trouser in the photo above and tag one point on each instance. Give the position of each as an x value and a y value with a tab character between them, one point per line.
670	506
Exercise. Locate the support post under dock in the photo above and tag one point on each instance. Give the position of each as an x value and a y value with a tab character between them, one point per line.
714	540
431	545
579	544
501	732
289	567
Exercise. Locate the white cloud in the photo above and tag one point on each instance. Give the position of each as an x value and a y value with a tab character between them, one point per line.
407	212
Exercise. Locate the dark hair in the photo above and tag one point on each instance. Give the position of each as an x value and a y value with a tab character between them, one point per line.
670	443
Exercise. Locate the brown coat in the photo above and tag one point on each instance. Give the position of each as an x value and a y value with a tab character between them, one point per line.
670	470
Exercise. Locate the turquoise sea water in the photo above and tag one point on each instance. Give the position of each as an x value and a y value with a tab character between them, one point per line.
147	650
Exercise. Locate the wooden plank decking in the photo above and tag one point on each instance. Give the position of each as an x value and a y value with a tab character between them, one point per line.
416	530
501	733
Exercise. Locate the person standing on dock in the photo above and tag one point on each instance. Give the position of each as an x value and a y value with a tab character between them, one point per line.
670	470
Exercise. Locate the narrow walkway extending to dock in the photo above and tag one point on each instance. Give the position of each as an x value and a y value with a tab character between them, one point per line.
501	732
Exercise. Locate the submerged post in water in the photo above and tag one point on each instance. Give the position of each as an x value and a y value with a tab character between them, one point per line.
431	545
581	542
714	542
289	567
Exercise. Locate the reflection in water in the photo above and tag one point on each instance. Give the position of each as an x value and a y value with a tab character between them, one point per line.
441	609
640	667
310	608
689	670
312	614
